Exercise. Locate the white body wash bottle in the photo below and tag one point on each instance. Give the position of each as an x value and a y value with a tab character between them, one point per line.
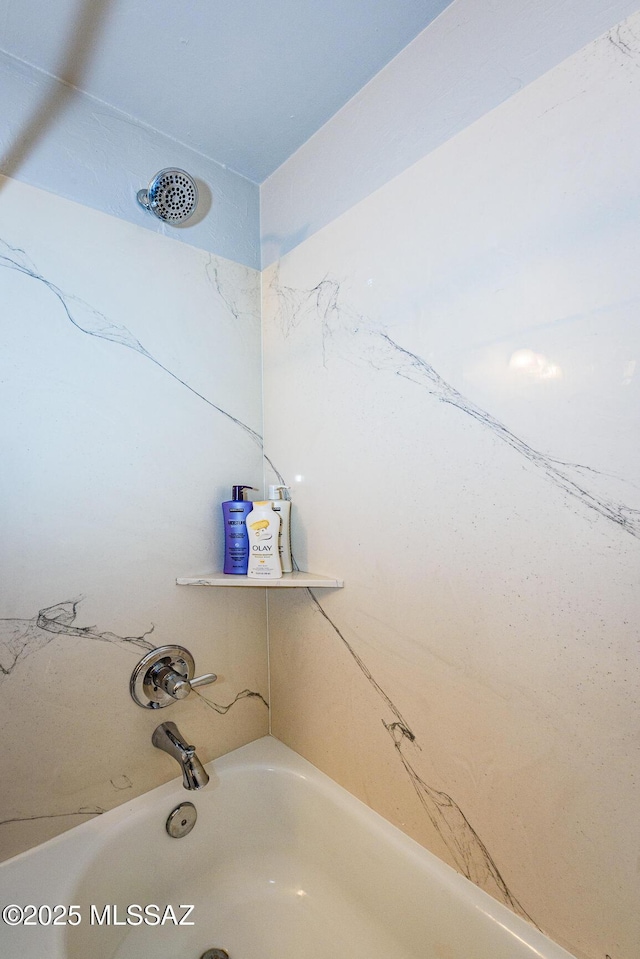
263	527
282	506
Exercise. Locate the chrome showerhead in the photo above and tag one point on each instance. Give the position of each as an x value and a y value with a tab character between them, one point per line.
172	196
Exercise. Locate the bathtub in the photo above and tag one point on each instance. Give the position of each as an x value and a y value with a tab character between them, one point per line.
282	864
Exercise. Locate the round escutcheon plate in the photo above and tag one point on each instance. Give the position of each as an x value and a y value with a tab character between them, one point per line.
181	820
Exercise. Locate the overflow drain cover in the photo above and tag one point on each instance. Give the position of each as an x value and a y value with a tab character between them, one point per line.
181	821
215	954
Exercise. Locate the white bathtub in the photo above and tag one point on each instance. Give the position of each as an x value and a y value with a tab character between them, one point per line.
282	864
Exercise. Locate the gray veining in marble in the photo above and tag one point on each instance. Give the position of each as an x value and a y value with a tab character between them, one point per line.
228	292
90	321
83	811
469	853
223	710
120	783
324	305
20	638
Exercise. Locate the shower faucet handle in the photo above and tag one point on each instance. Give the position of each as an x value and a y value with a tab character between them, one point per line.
165	675
175	683
205	680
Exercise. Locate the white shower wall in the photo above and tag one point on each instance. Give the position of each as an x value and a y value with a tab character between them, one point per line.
131	402
451	389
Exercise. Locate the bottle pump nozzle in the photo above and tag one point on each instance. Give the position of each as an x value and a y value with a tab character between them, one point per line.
275	492
238	492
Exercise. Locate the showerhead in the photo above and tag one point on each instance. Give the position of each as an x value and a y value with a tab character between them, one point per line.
172	196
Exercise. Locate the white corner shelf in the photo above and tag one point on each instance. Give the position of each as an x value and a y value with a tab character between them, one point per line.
289	580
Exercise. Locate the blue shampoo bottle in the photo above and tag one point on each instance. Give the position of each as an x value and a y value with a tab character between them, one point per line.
236	541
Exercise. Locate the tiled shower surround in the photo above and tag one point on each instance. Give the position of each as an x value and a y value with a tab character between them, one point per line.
451	391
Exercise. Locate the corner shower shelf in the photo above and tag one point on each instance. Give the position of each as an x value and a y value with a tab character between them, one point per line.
297	578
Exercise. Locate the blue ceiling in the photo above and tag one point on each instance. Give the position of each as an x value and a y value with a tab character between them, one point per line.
244	83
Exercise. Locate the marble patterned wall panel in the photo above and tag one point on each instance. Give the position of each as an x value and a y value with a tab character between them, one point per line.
131	401
452	392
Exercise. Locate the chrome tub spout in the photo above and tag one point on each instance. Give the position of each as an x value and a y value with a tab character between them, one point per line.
168	737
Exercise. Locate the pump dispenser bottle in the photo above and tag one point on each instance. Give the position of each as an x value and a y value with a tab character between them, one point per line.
263	526
236	541
283	507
